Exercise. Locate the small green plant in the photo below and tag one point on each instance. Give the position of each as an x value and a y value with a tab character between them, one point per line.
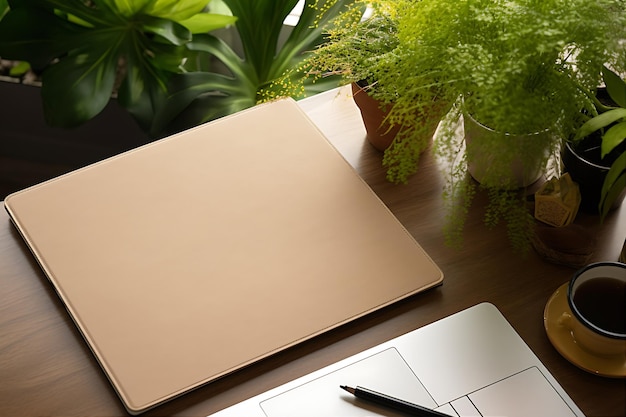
85	50
355	46
364	49
610	121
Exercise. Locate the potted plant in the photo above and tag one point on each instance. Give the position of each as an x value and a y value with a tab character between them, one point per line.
362	48
521	68
355	46
596	157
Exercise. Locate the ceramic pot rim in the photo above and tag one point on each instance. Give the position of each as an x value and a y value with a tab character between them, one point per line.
506	134
583	160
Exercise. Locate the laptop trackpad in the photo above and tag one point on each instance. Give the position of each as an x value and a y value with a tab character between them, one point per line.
527	393
385	372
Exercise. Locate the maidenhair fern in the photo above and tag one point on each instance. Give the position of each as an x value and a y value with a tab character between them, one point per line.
517	66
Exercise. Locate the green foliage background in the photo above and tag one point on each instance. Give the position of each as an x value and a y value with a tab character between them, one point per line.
87	50
157	56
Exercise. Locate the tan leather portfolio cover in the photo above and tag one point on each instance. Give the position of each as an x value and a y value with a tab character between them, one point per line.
191	257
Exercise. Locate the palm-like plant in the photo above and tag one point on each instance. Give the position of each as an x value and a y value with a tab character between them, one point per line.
86	50
198	95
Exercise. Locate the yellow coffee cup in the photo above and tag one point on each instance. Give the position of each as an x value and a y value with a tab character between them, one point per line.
596	319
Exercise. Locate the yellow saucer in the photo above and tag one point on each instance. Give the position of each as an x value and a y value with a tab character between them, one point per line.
562	340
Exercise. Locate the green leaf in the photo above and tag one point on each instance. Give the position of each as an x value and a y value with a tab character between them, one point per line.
141	97
19	69
173	32
600	121
126	8
78	87
614	185
206	22
241	69
260	40
177	10
100	16
77	20
4	8
199	97
209	107
615	86
163	56
613	137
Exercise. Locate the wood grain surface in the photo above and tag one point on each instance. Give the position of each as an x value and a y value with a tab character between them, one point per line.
46	369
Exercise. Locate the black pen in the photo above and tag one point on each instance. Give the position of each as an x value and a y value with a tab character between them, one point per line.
392	402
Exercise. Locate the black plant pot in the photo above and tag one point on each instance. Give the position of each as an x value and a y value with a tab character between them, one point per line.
586	166
588	169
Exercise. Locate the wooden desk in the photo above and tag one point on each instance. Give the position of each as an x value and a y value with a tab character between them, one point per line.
47	369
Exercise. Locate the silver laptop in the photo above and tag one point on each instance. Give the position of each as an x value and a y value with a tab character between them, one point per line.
189	258
472	363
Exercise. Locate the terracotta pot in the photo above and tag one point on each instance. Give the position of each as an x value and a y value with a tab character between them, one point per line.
379	134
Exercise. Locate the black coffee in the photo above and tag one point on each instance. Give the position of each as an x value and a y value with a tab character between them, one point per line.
602	301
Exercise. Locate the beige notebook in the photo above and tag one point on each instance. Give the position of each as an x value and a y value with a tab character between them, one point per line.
189	258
